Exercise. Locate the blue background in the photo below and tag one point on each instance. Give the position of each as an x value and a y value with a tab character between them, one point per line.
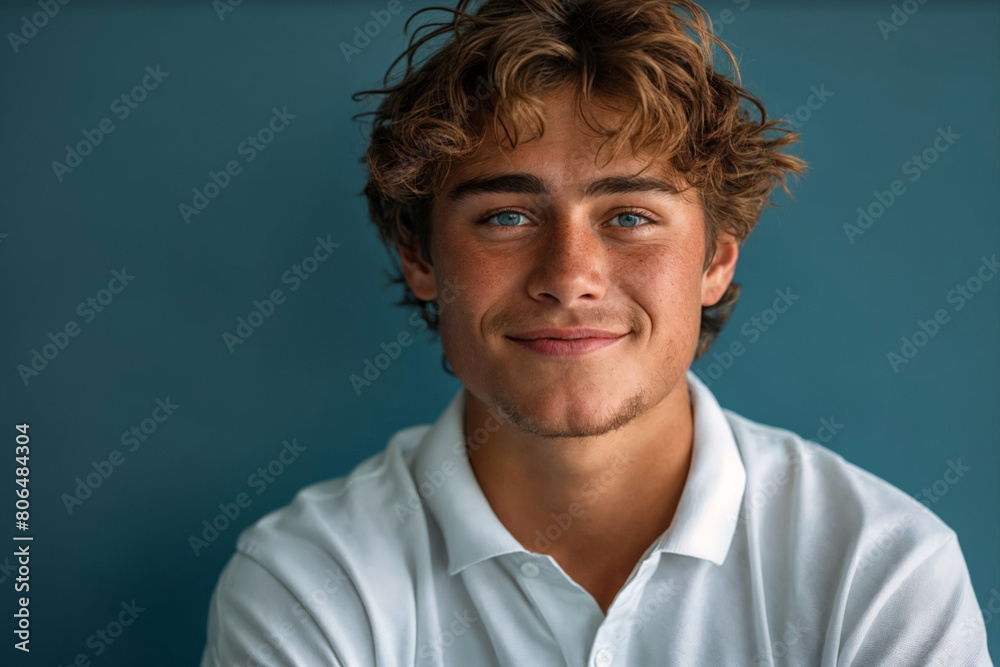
825	358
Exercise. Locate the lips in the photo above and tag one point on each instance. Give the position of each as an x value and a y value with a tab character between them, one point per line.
566	342
566	334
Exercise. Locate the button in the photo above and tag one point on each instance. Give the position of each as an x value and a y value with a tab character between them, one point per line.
529	569
603	658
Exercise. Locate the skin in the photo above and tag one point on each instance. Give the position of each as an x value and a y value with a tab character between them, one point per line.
604	437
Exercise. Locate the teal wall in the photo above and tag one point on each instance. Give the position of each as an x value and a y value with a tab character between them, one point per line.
158	337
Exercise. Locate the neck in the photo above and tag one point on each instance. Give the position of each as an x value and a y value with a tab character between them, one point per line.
595	504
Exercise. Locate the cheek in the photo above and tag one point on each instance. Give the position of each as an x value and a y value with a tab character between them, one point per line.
460	260
466	289
474	277
666	284
462	335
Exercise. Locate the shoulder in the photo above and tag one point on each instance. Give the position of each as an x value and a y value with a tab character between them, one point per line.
833	506
344	516
875	560
323	567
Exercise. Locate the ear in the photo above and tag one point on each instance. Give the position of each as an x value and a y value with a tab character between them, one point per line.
419	274
719	273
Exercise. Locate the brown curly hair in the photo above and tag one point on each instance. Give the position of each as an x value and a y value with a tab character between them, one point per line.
652	56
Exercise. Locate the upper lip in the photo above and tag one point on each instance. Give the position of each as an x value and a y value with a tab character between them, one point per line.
566	334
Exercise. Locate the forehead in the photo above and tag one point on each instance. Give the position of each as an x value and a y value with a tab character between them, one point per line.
571	154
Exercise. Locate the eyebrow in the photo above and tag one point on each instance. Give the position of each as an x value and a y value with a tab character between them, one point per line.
524	183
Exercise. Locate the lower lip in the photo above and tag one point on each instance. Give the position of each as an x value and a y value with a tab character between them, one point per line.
555	347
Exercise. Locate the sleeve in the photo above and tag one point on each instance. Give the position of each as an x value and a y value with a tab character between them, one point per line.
925	614
255	621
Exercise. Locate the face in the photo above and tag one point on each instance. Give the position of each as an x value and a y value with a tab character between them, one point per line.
570	288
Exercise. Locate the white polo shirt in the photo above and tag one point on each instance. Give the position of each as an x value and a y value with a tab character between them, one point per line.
780	553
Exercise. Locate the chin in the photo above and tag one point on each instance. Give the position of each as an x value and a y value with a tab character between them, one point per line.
569	412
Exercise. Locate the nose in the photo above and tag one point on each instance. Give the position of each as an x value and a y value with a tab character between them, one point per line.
569	263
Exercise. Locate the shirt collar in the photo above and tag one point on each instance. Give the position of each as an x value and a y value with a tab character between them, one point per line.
705	521
472	532
703	525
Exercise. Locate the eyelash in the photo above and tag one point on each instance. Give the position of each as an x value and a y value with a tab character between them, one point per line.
632	211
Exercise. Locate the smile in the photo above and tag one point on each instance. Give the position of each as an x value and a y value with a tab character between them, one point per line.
567	342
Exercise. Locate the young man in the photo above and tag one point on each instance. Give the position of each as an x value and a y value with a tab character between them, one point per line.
567	184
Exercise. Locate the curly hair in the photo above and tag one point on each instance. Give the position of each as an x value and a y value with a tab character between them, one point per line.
653	57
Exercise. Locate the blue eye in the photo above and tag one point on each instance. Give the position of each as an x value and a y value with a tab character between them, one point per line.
505	218
511	218
628	219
